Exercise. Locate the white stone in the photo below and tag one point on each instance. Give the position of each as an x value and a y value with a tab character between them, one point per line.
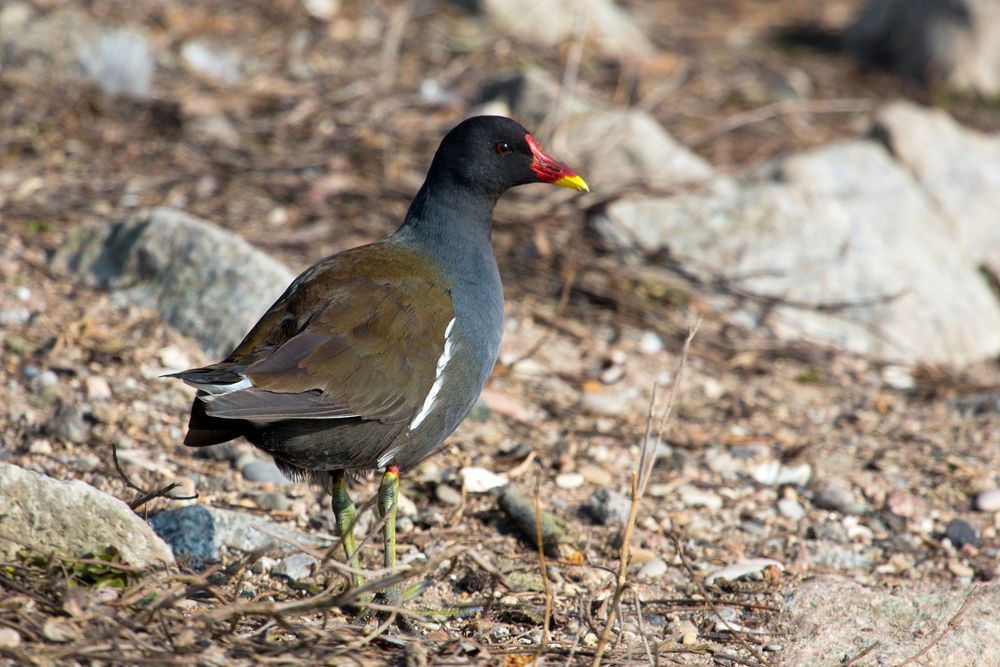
743	569
652	569
481	480
695	497
988	500
569	480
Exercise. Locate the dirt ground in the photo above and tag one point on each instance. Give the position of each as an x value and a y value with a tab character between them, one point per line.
323	152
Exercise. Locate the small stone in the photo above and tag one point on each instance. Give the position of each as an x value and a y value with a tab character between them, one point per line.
595	474
58	631
791	509
86	463
653	569
324	10
988	500
263	471
448	495
272	500
695	497
40	446
15	316
754	566
898	377
683	631
500	631
98	388
481	480
67	424
174	358
831	496
607	507
22	294
650	343
609	403
960	533
960	569
405	506
901	503
569	480
297	567
774	473
9	638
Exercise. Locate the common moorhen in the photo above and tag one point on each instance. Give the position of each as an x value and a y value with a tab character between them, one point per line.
374	355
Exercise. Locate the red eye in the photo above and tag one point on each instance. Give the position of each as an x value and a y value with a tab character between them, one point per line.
502	148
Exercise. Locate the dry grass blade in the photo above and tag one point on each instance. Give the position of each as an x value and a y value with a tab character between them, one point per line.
640	480
953	623
547	588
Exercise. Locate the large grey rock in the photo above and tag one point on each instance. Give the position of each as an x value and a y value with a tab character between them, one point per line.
956	42
613	148
549	24
208	283
842	223
70	519
958	167
200	535
827	618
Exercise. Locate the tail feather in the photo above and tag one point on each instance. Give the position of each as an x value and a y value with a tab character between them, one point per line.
205	430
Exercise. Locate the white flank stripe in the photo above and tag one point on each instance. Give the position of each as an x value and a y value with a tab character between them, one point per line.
442	361
216	389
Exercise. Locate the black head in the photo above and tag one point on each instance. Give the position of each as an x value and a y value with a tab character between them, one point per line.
491	154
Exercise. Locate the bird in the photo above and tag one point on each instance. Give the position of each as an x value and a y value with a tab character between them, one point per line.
374	355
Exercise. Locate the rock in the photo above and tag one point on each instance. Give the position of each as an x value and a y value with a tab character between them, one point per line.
49	44
550	24
264	471
695	497
958	167
683	631
650	343
405	506
67	424
272	500
652	569
988	500
569	480
121	62
960	533
200	535
954	42
14	316
595	474
324	10
447	494
791	509
523	512
833	496
71	519
610	402
481	480
213	61
836	616
775	473
40	446
839	224
961	570
901	503
297	567
207	283
752	567
607	507
97	388
616	148
9	638
838	557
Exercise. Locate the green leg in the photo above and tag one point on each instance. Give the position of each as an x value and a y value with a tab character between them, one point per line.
388	495
346	513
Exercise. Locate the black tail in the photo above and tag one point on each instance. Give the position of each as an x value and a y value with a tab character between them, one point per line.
205	430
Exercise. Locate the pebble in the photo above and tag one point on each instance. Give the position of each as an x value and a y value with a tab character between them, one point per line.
263	471
898	377
595	474
650	343
297	567
404	524
901	503
960	569
569	480
791	509
500	631
9	638
174	358
86	463
405	506
838	499
695	497
40	446
683	631
773	473
447	494
653	569
988	500
272	500
15	316
22	293
754	566
98	388
607	507
960	533
481	480
608	403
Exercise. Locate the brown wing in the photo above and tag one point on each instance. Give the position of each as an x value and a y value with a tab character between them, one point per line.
356	335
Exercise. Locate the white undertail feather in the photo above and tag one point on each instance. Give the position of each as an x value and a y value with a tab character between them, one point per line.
219	389
442	361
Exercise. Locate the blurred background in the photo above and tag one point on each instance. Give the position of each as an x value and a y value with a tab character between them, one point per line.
819	182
